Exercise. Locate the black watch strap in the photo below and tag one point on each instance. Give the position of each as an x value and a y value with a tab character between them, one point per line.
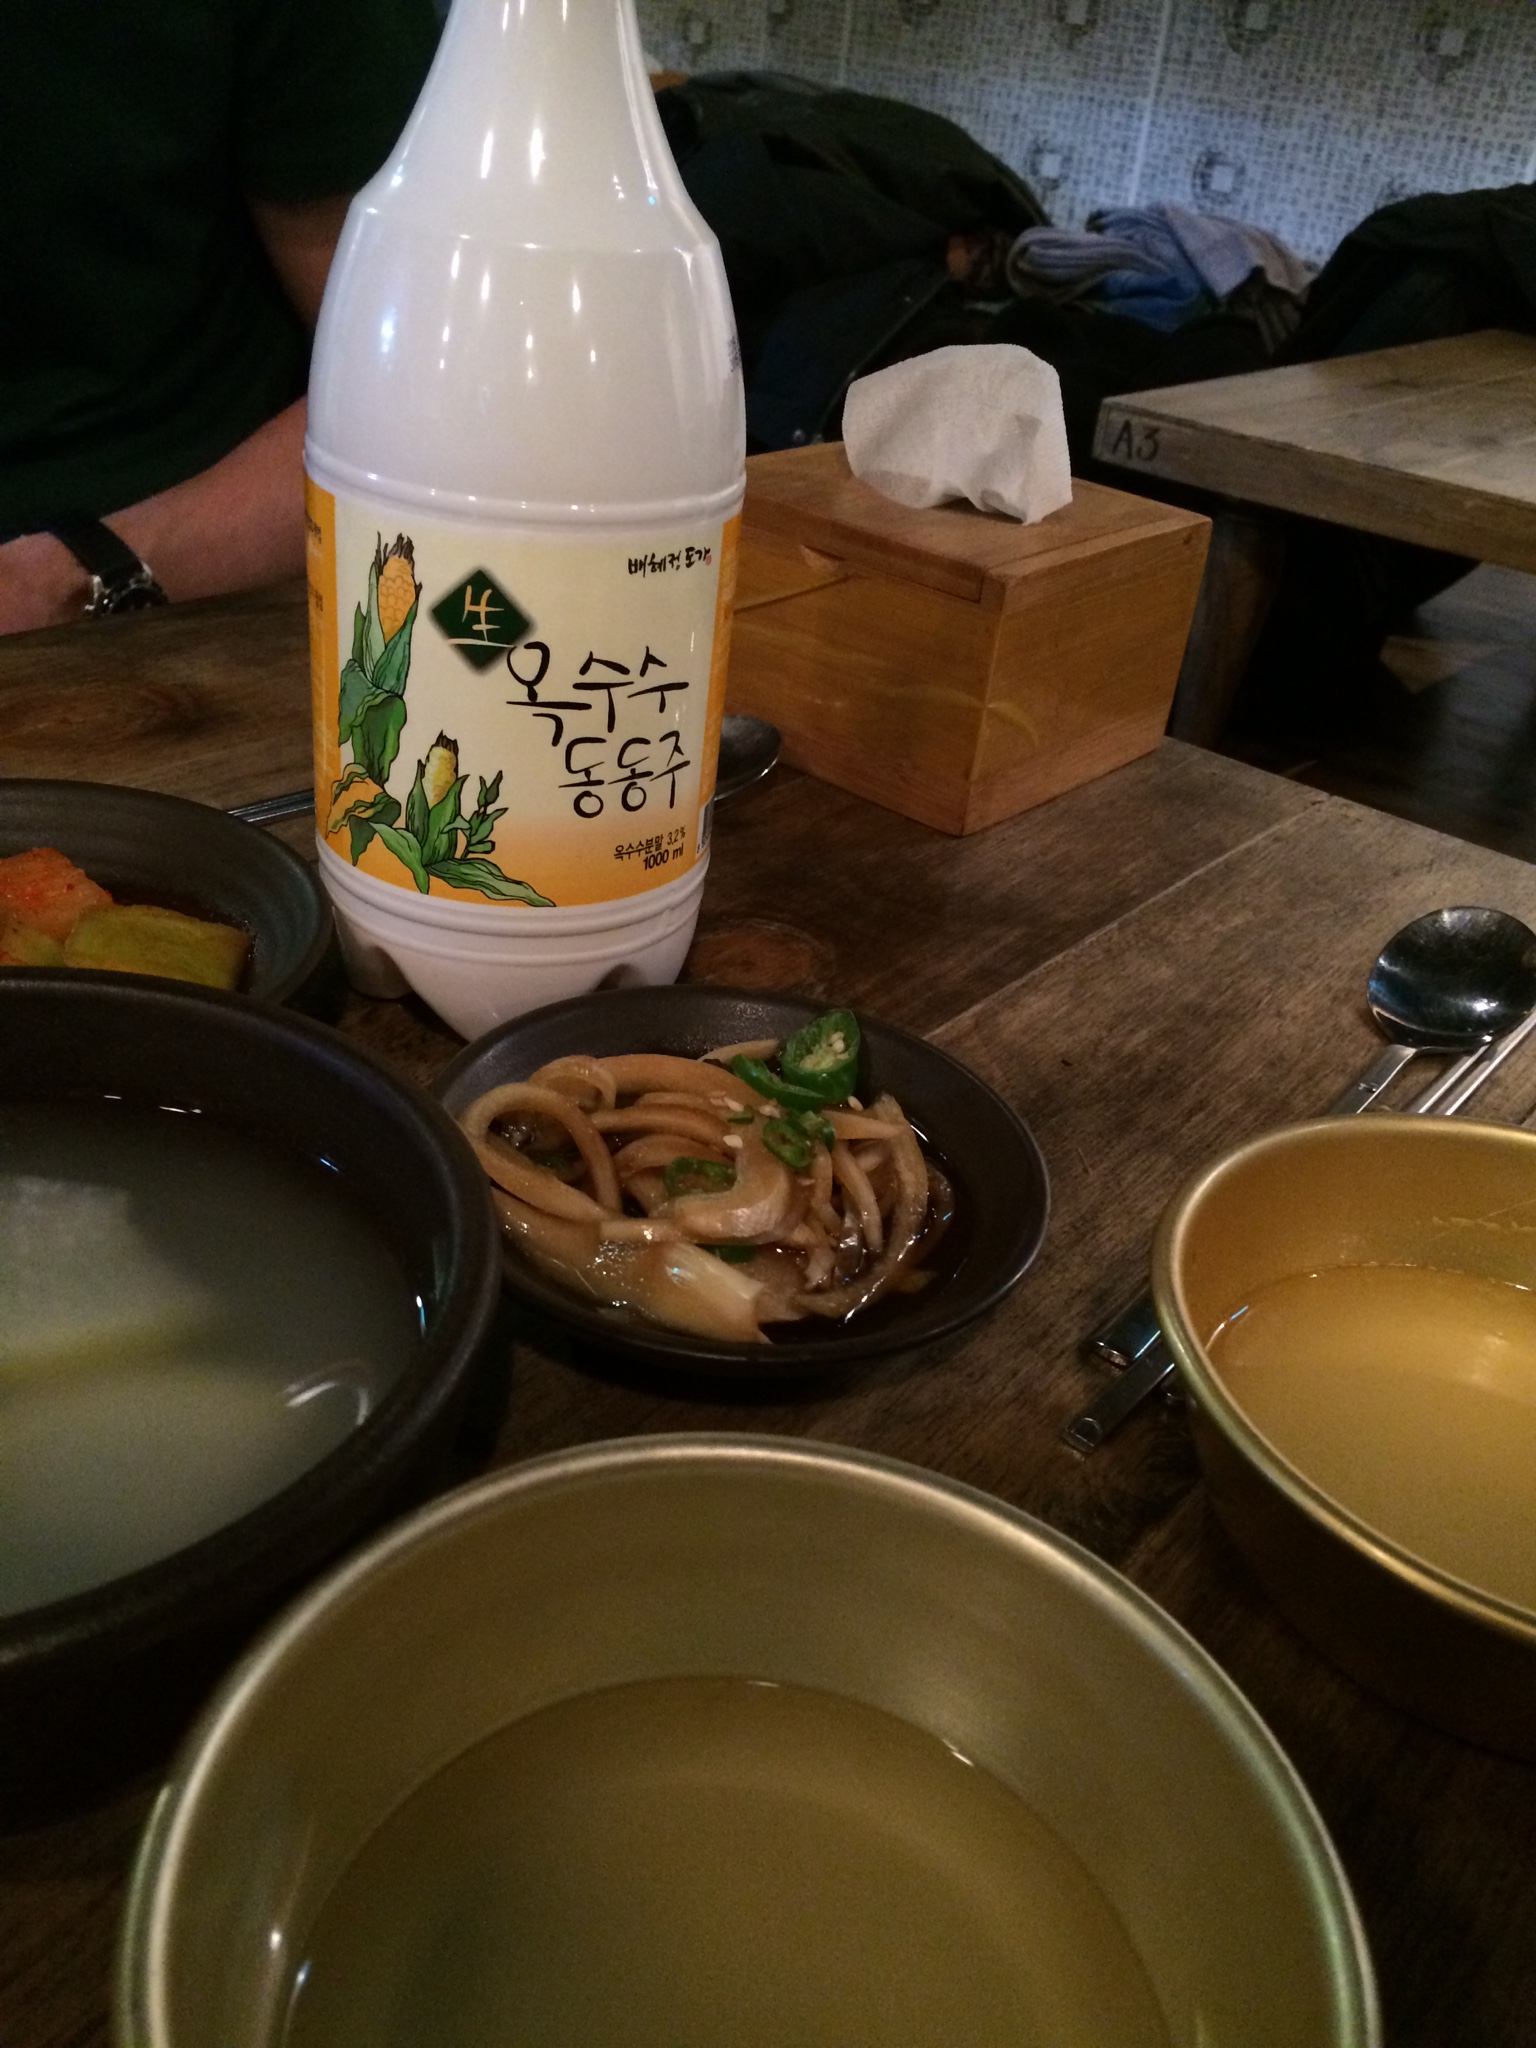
120	582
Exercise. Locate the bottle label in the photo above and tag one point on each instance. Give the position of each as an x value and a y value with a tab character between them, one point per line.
501	718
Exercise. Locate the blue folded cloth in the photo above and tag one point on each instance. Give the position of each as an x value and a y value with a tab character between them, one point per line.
1162	265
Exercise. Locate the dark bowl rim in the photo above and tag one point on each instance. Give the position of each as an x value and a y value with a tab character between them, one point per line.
298	1527
929	1320
280	857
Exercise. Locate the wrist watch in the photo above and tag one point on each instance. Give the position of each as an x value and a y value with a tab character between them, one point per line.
120	582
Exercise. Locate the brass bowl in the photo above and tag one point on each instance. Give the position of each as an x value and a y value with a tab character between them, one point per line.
729	1555
1377	1190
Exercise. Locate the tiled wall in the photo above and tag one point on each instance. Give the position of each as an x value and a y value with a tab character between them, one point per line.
1299	115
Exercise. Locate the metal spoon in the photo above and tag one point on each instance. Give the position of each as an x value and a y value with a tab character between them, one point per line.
1448	982
748	749
1451	981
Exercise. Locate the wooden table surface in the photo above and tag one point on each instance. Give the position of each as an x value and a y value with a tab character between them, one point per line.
1151	967
1434	442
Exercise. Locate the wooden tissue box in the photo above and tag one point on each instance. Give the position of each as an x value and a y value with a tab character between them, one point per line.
953	664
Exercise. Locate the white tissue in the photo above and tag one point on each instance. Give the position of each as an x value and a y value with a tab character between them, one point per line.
979	423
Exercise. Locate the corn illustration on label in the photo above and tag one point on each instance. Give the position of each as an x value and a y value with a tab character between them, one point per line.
510	719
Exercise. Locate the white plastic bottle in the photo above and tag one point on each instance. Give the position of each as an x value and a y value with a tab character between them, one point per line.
526	463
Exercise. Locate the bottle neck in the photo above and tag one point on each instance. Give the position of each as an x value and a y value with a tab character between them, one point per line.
538	121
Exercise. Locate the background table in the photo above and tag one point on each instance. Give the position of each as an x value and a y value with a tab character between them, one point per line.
1152	967
1433	443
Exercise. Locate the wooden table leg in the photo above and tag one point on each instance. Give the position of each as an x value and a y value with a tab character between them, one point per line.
1242	573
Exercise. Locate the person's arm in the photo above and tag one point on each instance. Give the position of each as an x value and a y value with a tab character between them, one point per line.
235	526
300	240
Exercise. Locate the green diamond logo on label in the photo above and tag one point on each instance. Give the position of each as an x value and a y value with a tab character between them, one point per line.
479	620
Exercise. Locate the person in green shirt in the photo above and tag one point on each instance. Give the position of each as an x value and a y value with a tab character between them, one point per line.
176	176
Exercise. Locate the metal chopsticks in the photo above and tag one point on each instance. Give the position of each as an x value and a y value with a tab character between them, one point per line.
1461	1080
271	810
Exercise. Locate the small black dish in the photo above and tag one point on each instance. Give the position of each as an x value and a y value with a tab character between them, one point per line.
97	1684
150	848
1001	1193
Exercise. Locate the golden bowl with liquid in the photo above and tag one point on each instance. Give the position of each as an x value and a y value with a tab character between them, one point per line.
735	1740
1353	1305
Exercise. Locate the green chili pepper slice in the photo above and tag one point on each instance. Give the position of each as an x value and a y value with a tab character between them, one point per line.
684	1176
823	1057
734	1254
795	1136
788	1141
762	1078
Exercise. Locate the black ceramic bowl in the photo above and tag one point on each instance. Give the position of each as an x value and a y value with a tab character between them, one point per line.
1001	1194
98	1681
149	848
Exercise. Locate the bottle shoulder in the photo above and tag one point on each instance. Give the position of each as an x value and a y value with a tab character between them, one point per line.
555	378
614	518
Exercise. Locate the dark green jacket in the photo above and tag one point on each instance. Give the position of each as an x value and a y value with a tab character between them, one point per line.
143	333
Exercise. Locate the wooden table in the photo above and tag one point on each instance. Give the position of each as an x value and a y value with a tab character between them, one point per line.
1151	967
1433	443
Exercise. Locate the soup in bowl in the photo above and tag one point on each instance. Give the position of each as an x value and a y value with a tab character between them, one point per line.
245	1275
734	1740
1351	1303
